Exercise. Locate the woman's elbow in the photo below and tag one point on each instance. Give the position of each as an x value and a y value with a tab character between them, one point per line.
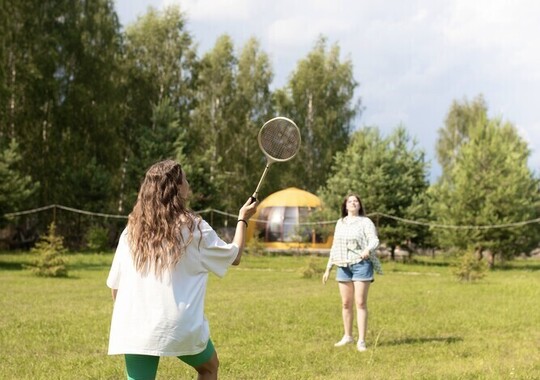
238	258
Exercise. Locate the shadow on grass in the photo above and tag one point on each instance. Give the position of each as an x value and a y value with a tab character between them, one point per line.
12	265
87	267
23	265
397	342
529	266
430	263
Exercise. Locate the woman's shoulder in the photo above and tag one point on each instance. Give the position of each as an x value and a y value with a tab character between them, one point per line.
200	225
359	220
123	237
199	222
366	221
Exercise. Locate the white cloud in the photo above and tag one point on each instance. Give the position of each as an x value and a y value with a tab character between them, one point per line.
505	30
302	31
214	10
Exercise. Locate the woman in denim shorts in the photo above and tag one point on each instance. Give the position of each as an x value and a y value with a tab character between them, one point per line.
353	252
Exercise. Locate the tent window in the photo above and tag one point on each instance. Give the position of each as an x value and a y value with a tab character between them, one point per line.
290	224
281	224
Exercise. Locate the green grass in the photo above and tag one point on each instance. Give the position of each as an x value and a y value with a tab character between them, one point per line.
268	322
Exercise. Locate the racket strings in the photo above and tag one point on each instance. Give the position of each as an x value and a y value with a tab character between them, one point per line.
280	139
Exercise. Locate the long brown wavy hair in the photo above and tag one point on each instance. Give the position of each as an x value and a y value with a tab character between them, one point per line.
154	225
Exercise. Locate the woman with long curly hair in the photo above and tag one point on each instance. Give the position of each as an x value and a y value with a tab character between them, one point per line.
159	274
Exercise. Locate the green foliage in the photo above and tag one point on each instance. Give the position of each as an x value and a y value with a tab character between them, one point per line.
215	112
97	238
470	267
329	215
159	64
253	106
92	105
461	119
319	98
62	82
50	249
489	184
312	269
15	188
390	175
255	247
234	100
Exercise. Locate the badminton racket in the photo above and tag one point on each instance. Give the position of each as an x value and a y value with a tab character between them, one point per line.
279	140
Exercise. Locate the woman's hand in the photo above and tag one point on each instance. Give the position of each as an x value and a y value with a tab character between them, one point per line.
325	276
365	255
247	210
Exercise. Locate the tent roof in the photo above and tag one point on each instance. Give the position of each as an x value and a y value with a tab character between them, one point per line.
291	197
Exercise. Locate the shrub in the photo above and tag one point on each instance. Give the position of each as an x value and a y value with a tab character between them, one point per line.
50	248
255	247
470	268
312	269
97	238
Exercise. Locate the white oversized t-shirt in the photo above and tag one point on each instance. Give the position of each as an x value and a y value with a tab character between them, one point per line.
165	317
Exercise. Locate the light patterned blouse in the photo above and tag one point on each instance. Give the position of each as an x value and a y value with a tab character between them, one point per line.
352	236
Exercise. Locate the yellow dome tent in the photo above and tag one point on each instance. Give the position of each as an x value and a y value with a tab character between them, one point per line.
279	218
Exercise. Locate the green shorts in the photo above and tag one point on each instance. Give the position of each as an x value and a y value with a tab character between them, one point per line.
145	366
200	358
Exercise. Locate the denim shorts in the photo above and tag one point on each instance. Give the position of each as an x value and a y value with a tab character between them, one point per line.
362	271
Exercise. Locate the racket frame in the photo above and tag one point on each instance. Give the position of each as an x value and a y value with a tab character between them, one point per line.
269	159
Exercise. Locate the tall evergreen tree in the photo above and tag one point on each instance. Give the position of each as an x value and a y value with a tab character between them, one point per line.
4	32
461	119
319	98
61	96
253	106
160	66
215	120
489	184
89	105
390	176
15	188
233	101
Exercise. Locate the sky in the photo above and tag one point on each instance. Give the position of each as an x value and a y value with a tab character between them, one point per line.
411	58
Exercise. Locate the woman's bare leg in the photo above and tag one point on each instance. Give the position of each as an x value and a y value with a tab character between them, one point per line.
209	370
346	290
360	296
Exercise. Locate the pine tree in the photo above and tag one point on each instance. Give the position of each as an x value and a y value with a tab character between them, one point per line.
15	188
390	176
50	249
469	268
319	99
489	184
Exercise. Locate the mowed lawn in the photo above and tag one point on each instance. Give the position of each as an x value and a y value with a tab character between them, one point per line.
268	322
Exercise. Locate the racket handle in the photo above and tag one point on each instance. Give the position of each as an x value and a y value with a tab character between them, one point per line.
256	192
253	198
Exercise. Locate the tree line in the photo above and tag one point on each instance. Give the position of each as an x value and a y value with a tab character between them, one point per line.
86	106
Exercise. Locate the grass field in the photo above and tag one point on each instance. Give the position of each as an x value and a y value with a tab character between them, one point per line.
268	322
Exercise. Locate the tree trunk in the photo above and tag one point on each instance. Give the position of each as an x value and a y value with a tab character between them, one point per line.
479	254
491	259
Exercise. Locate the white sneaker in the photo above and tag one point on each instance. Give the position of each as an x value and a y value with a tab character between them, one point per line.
344	341
361	346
